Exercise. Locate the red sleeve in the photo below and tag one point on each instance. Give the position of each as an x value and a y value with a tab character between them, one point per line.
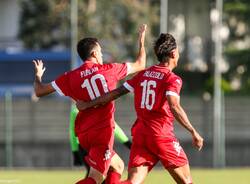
62	85
174	85
120	69
131	83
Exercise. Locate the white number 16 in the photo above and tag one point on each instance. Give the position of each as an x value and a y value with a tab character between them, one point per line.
148	92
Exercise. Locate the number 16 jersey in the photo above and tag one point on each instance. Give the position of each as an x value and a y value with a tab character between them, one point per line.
151	87
86	83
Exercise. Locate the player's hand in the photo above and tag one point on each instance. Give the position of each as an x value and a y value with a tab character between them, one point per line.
197	140
142	32
78	157
81	105
39	69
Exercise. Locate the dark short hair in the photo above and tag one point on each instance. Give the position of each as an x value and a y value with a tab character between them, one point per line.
163	46
85	46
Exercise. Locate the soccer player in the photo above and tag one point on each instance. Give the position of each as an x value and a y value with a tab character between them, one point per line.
157	103
94	127
78	152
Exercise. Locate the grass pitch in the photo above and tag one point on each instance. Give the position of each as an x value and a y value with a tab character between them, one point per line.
200	176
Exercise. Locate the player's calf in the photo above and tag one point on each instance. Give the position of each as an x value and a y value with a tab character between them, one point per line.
181	174
137	175
115	170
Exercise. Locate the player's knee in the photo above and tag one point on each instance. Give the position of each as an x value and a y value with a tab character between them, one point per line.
122	165
117	164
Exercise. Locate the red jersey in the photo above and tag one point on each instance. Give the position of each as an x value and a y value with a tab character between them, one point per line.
150	87
86	83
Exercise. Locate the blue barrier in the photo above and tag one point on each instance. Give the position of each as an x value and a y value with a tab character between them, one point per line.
17	89
30	55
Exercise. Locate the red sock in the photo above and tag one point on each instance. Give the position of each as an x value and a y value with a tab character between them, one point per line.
113	177
126	182
87	181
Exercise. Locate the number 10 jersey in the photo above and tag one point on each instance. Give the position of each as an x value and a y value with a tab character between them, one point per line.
86	83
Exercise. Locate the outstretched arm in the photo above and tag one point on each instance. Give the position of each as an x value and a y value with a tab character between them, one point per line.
181	117
140	62
82	105
40	88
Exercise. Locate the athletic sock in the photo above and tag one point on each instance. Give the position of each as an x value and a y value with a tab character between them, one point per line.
87	181
113	177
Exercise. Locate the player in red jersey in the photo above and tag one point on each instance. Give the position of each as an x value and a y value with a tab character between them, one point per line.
157	102
94	127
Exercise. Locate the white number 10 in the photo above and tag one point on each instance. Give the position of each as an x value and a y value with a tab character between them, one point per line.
92	88
148	92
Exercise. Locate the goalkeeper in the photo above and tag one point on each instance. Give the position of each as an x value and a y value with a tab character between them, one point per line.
77	151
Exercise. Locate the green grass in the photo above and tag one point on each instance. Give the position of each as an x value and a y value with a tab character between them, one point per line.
200	176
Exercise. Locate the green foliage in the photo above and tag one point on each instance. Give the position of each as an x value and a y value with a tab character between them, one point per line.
225	86
237	7
237	49
240	58
114	22
41	26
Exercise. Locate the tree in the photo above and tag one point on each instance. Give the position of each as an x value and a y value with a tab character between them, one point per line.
237	50
41	26
45	24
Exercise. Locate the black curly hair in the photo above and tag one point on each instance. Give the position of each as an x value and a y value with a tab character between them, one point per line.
163	46
85	46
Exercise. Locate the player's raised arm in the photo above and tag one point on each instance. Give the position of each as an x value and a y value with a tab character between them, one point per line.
181	117
40	88
140	61
107	97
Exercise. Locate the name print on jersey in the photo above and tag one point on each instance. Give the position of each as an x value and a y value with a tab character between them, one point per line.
153	74
87	72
